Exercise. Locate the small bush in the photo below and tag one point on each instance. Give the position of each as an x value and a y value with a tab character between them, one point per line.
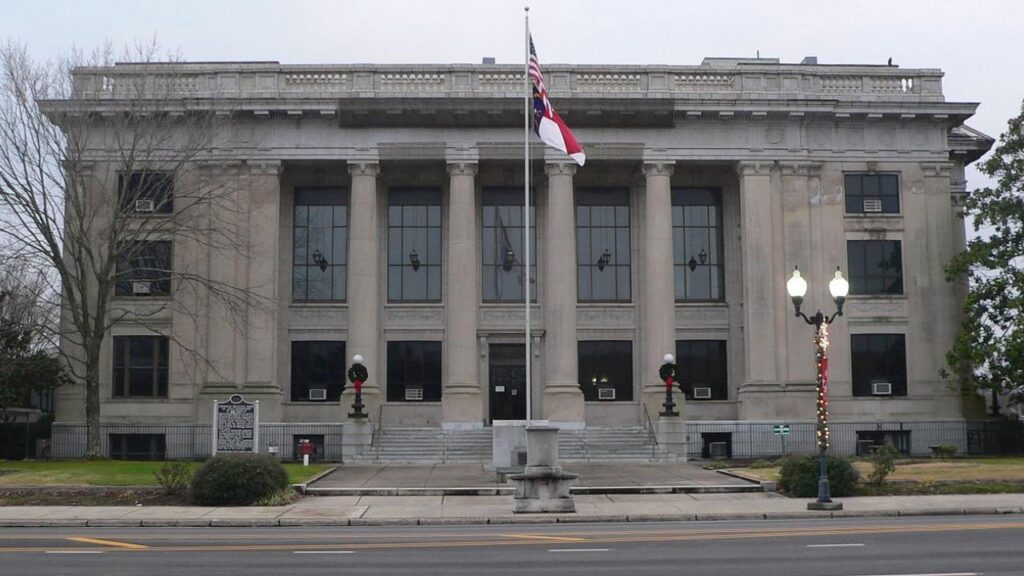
280	498
883	462
799	476
238	480
175	477
947	451
762	464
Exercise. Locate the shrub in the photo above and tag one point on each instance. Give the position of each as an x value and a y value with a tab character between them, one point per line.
175	477
799	476
761	464
883	462
238	480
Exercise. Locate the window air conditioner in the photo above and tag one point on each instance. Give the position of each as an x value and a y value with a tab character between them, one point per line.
318	394
143	205
702	393
140	288
606	393
881	388
718	450
414	394
872	205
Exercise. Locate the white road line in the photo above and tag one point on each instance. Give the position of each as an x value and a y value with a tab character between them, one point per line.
578	550
74	552
323	552
833	545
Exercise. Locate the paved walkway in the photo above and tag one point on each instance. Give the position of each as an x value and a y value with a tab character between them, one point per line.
380	510
474	475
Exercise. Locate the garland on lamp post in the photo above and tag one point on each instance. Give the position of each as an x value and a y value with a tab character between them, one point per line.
821	365
667	373
357	374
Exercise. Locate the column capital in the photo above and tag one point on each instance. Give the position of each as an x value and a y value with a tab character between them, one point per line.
265	167
753	167
658	168
363	168
462	168
560	168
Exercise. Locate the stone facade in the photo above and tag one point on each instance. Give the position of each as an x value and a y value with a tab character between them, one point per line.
777	141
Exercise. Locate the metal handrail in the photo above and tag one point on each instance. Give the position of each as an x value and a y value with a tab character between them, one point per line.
378	429
651	434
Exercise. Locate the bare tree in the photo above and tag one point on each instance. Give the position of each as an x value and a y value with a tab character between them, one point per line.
96	181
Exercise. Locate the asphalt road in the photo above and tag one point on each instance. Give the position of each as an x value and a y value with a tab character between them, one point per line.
932	546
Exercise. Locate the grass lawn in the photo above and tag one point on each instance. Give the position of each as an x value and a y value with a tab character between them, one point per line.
996	469
108	473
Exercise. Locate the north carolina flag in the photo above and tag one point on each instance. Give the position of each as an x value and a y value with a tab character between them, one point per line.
546	122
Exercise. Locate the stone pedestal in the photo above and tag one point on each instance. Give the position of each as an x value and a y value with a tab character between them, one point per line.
356	437
509	437
543	487
672	441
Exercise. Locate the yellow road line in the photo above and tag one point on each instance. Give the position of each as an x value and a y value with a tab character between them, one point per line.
526	539
113	543
544	537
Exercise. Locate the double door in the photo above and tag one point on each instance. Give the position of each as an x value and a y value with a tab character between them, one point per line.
507	378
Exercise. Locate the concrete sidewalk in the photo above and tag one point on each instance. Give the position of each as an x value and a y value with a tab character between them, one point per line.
410	510
476	479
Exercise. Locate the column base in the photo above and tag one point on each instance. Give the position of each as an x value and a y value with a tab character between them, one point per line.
824	505
564	404
462	406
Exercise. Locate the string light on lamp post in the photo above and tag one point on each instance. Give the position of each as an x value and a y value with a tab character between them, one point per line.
838	287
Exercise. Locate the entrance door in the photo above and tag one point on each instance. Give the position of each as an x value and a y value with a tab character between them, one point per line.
508	381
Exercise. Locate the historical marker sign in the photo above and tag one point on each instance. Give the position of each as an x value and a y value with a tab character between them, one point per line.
236	425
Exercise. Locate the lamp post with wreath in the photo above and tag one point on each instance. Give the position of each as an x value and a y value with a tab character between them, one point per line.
357	374
667	373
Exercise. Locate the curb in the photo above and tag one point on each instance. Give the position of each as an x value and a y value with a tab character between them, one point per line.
509	490
509	519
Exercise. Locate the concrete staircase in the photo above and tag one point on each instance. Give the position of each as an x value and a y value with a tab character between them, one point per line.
436	446
429	446
623	444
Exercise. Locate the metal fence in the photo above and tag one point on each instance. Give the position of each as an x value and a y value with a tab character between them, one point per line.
195	441
749	440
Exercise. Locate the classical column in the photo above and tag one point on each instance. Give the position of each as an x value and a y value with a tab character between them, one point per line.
760	282
563	399
364	285
461	401
658	310
262	281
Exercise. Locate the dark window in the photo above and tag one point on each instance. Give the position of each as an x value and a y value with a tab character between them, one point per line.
145	192
872	194
716	445
414	371
320	247
702	364
697	244
144	269
878	358
503	261
140	366
606	365
869	441
602	245
414	244
138	446
876	266
317	365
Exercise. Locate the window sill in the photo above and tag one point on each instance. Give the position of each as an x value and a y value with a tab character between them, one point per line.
319	304
413	403
131	399
415	304
327	402
876	297
605	303
877	396
702	304
154	297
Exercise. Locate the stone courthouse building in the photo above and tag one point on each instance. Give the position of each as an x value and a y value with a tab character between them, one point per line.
385	218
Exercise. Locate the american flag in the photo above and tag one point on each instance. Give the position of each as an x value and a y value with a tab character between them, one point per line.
546	122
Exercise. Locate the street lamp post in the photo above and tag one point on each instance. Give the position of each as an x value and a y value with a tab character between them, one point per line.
667	372
838	288
358	374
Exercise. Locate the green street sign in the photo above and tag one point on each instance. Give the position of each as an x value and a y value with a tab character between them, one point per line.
781	429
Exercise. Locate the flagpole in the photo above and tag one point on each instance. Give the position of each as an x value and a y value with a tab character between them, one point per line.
526	210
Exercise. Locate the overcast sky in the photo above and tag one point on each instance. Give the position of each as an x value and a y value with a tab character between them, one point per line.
978	44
